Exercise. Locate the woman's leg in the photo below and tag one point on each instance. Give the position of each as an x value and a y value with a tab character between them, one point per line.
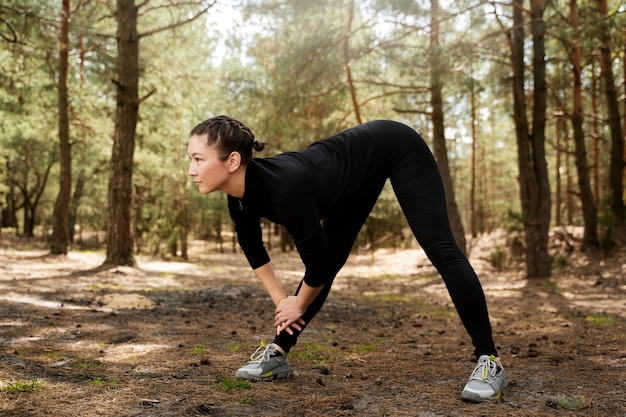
419	189
341	231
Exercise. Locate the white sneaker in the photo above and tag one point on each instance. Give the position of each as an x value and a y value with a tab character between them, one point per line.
486	382
266	364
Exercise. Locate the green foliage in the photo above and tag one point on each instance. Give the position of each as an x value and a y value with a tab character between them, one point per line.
234	347
550	286
104	383
229	384
370	347
568	402
514	221
559	262
199	350
4	188
82	363
601	319
319	354
19	386
498	258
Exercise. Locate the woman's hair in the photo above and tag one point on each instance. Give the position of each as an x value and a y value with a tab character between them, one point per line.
228	135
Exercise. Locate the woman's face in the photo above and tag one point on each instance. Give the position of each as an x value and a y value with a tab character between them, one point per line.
208	171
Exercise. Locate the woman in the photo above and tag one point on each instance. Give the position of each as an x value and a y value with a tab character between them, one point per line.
323	195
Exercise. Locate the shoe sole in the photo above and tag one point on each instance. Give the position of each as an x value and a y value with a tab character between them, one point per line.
282	372
475	398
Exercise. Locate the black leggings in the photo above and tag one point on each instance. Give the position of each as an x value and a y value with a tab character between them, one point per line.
405	158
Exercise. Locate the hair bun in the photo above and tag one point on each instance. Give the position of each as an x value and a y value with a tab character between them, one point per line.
258	145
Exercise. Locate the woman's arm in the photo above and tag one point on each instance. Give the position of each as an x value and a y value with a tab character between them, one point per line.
268	278
266	275
306	295
289	310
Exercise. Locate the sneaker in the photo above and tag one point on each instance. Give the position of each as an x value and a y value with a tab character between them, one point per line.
266	364
486	382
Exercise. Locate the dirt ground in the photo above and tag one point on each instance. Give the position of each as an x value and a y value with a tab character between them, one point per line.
165	339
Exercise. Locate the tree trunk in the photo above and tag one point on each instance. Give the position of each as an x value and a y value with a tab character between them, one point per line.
616	166
439	141
32	199
78	194
346	56
624	113
119	227
570	207
596	136
60	239
533	174
538	261
558	166
9	212
590	213
473	214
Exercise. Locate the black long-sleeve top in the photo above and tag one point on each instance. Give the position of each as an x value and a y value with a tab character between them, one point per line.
299	189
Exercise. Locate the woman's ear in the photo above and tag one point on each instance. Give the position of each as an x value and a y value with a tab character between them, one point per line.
233	161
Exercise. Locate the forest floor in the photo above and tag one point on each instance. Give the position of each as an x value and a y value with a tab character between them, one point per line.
165	338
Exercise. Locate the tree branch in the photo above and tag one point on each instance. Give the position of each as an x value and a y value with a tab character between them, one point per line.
13	38
142	99
179	23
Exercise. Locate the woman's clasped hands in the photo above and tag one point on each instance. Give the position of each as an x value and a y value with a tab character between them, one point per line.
288	315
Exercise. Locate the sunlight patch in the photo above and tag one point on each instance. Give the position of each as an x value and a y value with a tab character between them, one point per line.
9	323
25	299
118	301
132	351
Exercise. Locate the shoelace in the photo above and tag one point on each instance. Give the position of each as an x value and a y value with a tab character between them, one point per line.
261	354
485	369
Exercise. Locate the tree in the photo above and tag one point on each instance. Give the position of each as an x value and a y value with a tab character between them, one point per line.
28	173
590	213
119	227
119	231
439	140
533	174
616	169
60	239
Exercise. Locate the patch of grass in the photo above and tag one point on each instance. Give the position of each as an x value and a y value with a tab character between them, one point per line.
601	319
570	403
19	386
229	384
233	347
550	285
198	350
247	401
104	383
54	355
317	353
80	363
370	347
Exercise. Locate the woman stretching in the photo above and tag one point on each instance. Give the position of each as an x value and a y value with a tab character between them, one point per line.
322	196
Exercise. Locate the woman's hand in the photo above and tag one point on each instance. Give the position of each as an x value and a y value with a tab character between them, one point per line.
288	315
